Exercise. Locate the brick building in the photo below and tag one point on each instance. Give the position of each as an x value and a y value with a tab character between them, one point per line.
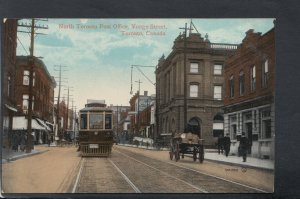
42	92
203	90
140	119
8	72
249	94
67	121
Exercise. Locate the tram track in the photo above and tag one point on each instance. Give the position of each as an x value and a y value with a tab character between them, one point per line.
209	182
129	172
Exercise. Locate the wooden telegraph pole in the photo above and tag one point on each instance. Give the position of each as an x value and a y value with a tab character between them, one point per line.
31	62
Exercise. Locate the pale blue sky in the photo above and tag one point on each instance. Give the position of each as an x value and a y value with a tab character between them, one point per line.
99	60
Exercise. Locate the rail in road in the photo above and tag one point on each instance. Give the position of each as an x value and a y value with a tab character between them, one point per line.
129	172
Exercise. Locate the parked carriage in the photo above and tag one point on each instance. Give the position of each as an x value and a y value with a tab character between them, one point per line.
95	129
187	143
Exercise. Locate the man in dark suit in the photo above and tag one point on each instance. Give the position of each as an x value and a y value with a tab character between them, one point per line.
220	143
226	143
244	143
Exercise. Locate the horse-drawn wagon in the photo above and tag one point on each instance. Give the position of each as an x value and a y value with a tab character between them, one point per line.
187	143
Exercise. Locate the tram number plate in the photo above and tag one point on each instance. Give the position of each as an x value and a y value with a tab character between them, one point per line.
93	146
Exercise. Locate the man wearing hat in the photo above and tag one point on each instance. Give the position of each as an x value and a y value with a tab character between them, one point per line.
244	143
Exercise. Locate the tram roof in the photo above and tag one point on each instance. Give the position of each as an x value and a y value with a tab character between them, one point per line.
95	109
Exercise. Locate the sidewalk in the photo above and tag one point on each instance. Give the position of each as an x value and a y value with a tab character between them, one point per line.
10	155
212	155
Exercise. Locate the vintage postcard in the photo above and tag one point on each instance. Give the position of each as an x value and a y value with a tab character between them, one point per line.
133	105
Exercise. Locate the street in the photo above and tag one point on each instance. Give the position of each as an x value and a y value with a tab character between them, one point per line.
128	170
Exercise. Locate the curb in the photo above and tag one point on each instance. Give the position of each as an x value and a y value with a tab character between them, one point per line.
240	165
23	156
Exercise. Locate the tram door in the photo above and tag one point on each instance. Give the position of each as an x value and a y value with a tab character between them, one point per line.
249	135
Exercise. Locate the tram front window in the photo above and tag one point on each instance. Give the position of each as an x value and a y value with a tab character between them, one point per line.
96	121
83	121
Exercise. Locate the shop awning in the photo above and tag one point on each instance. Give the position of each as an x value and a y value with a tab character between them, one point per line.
20	123
11	108
42	123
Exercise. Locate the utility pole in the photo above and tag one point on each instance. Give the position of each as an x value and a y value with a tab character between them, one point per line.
138	111
31	61
68	98
117	122
58	134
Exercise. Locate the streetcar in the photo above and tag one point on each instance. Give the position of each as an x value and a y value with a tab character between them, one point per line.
187	143
95	129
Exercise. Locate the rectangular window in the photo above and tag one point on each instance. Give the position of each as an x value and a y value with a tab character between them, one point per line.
108	119
194	68
218	69
252	78
265	74
26	77
25	103
83	121
265	116
193	90
96	121
266	127
218	92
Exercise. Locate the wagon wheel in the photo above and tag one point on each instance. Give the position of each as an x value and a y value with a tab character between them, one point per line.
177	155
194	154
201	154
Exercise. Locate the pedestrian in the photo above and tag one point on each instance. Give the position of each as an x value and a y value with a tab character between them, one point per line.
226	144
49	140
244	143
220	144
15	142
23	142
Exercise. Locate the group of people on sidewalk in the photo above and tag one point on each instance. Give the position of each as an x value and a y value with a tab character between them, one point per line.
224	145
18	141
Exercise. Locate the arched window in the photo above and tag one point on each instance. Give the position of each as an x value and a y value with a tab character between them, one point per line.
231	86
242	83
252	78
265	74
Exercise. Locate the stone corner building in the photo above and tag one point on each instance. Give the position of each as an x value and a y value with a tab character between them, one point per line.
249	94
203	93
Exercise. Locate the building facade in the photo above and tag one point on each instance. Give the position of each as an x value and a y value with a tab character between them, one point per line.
42	96
249	94
140	108
8	73
198	92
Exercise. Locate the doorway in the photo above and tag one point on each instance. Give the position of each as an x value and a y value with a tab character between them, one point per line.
249	135
194	126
